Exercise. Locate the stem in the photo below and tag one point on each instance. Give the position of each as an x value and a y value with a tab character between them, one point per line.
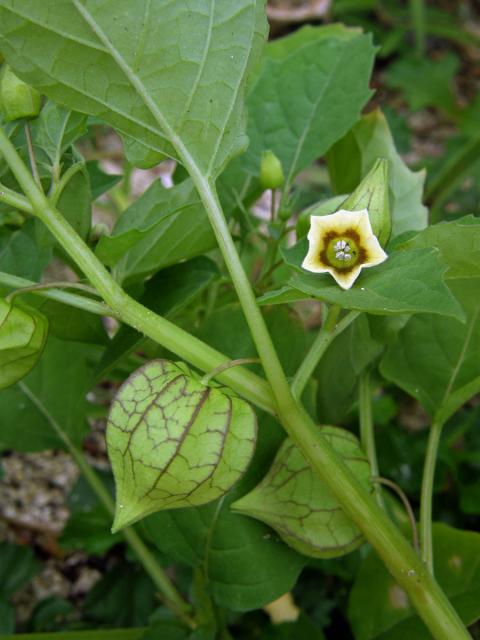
427	494
329	331
367	430
272	205
146	558
249	385
15	200
417	11
80	302
44	286
397	554
226	365
451	174
31	155
406	503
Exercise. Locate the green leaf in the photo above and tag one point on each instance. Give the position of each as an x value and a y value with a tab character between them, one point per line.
162	227
20	254
23	332
100	181
7	618
179	285
174	442
353	157
62	396
310	90
55	130
458	243
75	202
245	564
226	329
70	323
408	282
90	532
18	565
424	82
125	596
298	505
379	608
183	84
435	359
340	367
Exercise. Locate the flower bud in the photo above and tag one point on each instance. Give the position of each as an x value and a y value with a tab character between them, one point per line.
17	99
271	172
372	194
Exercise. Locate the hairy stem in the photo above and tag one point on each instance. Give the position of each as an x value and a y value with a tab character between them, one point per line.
395	551
329	331
427	494
146	558
367	430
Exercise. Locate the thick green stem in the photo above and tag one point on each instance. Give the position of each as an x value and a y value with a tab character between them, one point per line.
396	553
426	499
367	430
146	558
329	331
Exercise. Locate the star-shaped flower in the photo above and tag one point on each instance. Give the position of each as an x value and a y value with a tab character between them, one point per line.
342	244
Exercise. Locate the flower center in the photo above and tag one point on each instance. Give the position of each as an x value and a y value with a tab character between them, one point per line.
342	252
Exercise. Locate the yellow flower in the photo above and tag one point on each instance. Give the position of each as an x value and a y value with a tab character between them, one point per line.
342	244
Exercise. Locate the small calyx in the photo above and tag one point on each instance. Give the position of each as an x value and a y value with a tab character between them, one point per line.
300	507
23	332
174	441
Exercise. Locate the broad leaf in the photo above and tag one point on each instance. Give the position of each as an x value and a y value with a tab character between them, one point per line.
353	157
298	505
174	441
23	332
20	253
377	289
309	91
162	227
47	389
436	359
379	608
160	72
245	564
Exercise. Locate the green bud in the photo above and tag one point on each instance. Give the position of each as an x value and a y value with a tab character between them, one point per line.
23	332
17	99
372	194
271	172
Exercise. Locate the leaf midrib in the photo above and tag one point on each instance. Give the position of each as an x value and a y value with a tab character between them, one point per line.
158	115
